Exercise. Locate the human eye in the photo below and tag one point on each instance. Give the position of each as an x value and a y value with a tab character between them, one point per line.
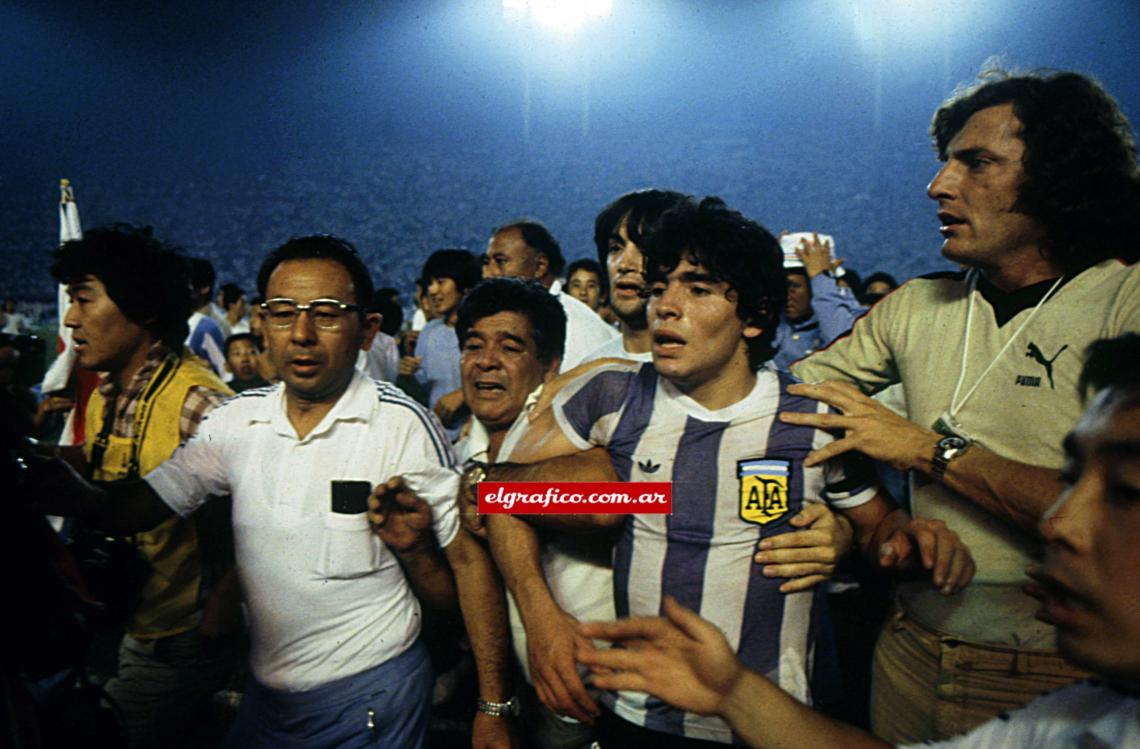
656	289
700	290
472	344
614	248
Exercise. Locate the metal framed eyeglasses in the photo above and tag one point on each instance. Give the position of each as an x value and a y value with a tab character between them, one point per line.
326	314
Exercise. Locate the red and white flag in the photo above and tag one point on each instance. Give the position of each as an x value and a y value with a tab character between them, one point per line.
60	375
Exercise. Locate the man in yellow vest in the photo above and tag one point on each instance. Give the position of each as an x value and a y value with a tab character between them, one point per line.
130	299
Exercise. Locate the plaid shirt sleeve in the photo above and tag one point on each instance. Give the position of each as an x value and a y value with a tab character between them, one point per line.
199	402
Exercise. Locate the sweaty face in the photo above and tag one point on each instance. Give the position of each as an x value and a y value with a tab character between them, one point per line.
1092	584
316	364
242	360
584	286
500	367
508	255
624	264
798	305
977	190
105	339
698	340
444	296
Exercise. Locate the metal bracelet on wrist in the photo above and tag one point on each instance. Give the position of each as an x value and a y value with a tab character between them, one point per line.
510	708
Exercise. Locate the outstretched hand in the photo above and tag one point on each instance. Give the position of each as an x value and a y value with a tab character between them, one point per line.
681	659
400	518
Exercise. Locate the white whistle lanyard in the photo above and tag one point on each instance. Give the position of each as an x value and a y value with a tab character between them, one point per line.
955	404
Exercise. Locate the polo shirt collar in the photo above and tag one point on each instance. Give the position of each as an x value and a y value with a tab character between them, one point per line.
356	403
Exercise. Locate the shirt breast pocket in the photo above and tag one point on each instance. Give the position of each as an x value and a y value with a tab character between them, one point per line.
349	548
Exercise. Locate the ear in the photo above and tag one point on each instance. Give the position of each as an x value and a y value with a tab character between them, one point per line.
369	329
541	265
552	369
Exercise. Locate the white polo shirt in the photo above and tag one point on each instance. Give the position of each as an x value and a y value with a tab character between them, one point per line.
326	598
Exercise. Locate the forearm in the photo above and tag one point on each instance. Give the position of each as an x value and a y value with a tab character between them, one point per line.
1018	493
122	507
515	548
430	577
484	608
786	723
592	465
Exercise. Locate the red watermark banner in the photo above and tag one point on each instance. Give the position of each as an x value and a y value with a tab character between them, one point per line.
575	497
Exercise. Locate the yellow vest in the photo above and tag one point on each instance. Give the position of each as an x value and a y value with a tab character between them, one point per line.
169	599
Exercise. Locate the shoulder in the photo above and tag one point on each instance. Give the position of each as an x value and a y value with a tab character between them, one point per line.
245	405
401	416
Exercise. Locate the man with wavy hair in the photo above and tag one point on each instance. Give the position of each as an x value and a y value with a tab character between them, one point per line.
1037	197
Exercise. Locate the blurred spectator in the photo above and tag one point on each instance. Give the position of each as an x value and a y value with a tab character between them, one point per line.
527	249
208	329
13	322
382	359
241	361
233	303
447	275
818	310
877	286
585	282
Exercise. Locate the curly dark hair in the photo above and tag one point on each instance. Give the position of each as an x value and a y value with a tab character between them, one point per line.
147	279
1081	181
732	248
527	297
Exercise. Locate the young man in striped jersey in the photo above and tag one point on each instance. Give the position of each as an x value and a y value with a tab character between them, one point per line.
703	415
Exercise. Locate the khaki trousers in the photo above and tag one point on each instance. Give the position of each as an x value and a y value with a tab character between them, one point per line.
926	686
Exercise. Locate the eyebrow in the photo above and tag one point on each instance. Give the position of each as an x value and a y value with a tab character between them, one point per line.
698	277
964	154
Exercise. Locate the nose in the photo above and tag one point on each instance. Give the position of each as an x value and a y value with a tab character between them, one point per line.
629	261
489	268
943	184
303	330
71	319
665	305
1070	521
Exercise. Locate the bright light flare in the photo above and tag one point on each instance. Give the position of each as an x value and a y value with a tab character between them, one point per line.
560	15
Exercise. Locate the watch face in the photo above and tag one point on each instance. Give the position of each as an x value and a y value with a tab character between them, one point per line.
952	442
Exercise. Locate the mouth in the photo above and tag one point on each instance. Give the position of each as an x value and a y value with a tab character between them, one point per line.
489	387
666	342
1060	605
304	365
628	287
949	222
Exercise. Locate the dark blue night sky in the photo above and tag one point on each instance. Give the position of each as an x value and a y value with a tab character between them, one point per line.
408	126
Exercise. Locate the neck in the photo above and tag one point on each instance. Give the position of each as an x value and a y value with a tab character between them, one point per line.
132	366
305	414
1021	270
636	340
494	442
732	385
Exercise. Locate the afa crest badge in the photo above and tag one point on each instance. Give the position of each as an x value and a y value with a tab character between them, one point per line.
763	489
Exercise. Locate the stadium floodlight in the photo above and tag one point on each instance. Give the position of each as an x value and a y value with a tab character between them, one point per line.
559	15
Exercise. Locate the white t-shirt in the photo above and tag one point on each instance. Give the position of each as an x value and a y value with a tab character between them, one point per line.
327	599
585	331
1089	715
616	349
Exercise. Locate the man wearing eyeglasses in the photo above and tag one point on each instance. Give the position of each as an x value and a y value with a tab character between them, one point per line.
334	612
